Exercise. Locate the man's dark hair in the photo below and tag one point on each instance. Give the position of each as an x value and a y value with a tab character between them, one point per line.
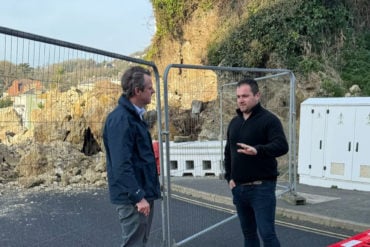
133	78
252	83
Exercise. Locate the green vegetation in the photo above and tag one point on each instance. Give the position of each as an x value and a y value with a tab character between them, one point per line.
171	15
5	102
294	31
40	105
330	88
24	70
355	67
306	36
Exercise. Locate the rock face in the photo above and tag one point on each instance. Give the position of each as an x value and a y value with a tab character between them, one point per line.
53	164
9	158
10	123
64	145
59	163
186	86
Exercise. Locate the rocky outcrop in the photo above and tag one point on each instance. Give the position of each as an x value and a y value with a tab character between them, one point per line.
59	163
64	145
9	158
10	124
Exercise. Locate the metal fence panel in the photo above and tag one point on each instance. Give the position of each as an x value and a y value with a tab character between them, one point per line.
54	98
205	98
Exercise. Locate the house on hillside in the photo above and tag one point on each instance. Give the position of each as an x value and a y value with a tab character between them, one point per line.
24	104
25	98
23	85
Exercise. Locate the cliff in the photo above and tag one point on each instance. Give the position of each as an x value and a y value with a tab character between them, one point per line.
323	42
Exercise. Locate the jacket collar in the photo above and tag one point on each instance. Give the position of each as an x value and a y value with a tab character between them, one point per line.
126	103
257	108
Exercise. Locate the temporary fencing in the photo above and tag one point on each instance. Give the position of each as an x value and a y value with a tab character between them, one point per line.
55	96
205	97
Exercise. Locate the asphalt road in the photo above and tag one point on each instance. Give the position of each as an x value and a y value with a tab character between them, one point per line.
87	218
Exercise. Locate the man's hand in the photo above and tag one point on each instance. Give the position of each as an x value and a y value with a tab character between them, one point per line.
232	184
143	207
246	149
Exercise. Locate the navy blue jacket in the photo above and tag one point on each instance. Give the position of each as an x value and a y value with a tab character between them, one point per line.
263	131
131	167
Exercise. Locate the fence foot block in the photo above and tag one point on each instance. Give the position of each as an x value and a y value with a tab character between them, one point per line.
293	198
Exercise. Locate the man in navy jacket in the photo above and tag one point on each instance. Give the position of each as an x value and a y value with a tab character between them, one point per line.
255	137
131	166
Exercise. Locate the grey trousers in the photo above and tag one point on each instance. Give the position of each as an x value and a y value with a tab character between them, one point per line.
135	226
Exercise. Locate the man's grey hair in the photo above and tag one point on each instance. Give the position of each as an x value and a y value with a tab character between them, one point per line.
133	78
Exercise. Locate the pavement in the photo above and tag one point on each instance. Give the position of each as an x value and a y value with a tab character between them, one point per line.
347	209
85	217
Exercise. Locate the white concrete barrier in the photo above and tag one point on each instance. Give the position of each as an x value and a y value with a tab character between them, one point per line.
197	158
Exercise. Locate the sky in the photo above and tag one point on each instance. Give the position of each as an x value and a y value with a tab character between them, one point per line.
119	26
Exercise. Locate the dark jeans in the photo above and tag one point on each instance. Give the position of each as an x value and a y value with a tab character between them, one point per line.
255	205
135	226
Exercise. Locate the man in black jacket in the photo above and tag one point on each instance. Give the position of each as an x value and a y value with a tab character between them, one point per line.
255	137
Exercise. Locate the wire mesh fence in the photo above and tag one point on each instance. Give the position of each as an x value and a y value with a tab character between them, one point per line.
54	97
199	102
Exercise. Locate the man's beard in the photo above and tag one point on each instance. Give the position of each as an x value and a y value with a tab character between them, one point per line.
246	110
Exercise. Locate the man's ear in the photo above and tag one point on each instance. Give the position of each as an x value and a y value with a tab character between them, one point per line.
137	90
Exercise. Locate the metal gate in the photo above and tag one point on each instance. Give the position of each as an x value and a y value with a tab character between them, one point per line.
46	64
187	149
